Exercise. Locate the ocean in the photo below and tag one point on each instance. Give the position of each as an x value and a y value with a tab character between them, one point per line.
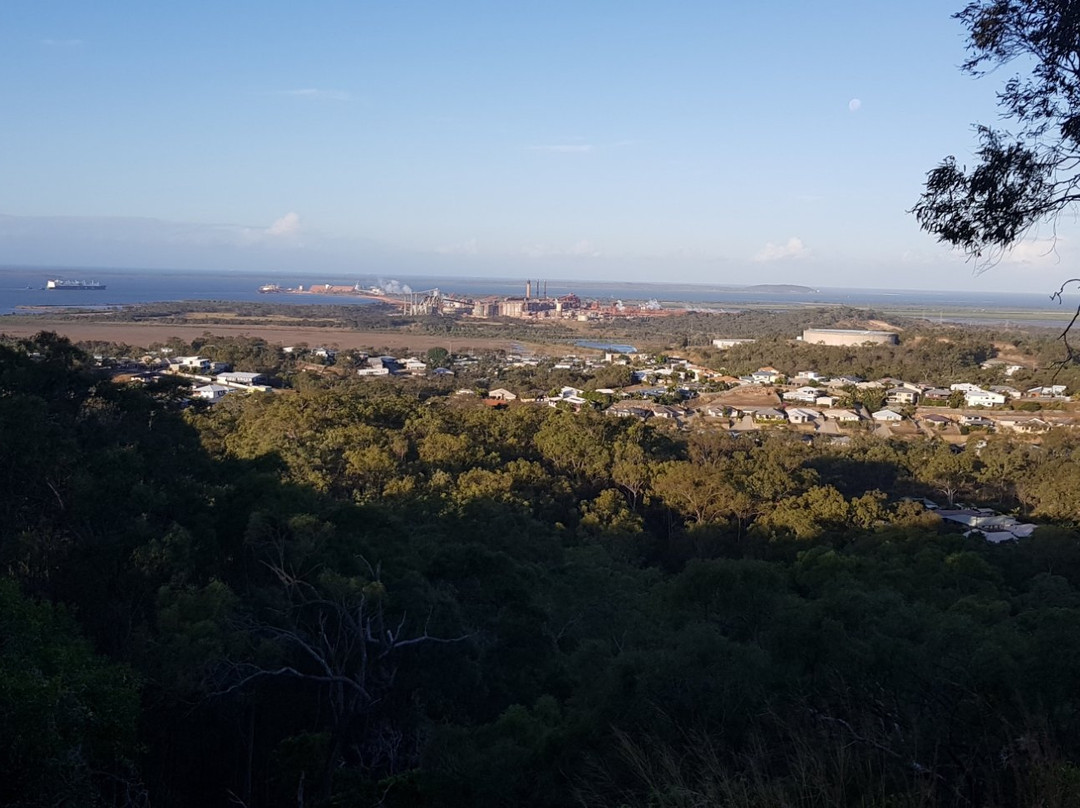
22	287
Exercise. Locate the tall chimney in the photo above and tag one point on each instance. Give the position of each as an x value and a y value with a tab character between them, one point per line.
528	289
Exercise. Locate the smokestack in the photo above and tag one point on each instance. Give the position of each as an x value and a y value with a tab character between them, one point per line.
528	289
545	290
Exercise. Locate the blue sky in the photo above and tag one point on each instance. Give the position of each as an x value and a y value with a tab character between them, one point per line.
696	141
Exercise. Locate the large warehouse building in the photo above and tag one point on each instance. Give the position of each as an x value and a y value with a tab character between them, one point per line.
847	336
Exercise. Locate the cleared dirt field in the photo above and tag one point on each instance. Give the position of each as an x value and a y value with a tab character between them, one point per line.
145	334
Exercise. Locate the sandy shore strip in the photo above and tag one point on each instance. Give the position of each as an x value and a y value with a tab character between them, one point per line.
145	334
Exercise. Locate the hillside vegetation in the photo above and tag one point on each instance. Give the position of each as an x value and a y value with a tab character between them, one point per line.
377	594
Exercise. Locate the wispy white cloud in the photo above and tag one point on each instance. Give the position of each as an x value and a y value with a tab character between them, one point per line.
793	249
564	148
1036	251
578	145
287	225
580	249
312	92
61	43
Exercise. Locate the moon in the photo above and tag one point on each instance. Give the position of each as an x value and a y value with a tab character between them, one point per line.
854	104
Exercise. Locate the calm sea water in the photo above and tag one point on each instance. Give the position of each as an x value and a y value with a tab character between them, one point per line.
25	287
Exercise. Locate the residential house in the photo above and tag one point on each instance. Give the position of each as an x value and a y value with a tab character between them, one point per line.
983	398
1049	391
770	414
1023	424
570	395
995	527
901	396
373	370
210	392
936	394
501	394
767	375
808	395
843	416
800	415
241	378
629	412
975	420
672	413
887	416
195	362
843	381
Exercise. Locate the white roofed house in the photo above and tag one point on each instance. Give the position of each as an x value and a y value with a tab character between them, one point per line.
966	387
983	398
808	395
767	375
995	527
1048	391
210	392
501	394
241	378
628	409
198	364
569	395
799	415
414	365
375	367
842	415
887	416
770	414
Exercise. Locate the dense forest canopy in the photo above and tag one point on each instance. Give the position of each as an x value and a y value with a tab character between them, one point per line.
365	593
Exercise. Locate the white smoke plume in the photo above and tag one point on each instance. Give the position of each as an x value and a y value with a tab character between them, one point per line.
392	287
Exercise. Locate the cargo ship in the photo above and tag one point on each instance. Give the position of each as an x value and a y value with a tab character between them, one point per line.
57	283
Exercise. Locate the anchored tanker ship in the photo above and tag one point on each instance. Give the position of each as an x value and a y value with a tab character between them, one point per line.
57	283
